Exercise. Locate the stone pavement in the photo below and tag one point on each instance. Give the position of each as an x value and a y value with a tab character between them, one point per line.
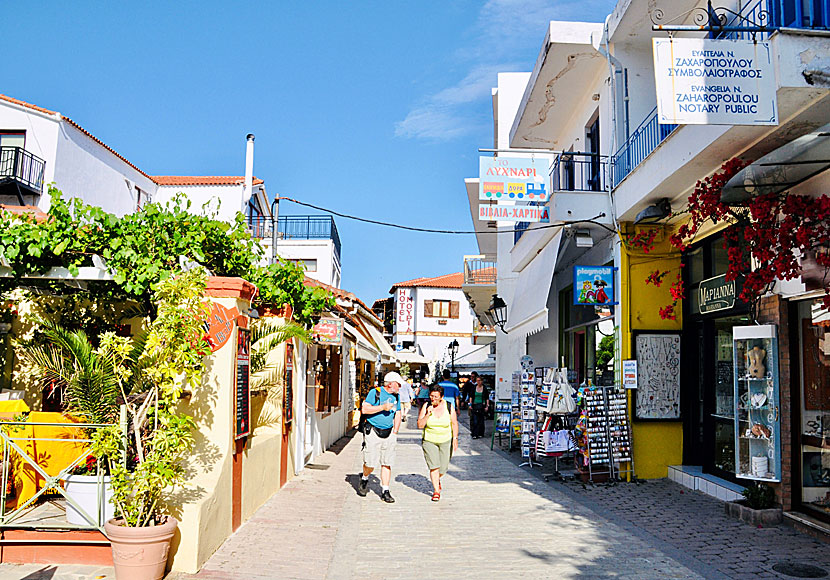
52	572
493	520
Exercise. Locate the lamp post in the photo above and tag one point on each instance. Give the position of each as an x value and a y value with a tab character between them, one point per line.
453	346
498	311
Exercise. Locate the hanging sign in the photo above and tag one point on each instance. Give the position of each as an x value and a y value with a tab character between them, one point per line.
242	401
328	331
594	285
513	213
219	325
716	294
714	82
404	311
512	178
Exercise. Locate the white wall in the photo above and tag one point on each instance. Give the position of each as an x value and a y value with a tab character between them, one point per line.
41	134
226	200
328	264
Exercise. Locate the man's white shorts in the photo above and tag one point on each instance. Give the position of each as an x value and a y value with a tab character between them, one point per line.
379	451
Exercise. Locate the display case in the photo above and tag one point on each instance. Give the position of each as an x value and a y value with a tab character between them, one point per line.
756	403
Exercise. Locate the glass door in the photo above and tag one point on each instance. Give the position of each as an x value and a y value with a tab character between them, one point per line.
723	415
815	411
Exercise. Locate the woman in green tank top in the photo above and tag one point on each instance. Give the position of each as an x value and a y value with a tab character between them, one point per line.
440	424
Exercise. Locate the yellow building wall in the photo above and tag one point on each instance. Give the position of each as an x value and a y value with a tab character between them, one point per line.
656	444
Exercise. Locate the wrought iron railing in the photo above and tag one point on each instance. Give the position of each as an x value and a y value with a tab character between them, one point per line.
479	271
26	455
309	227
639	145
773	14
260	227
17	164
574	171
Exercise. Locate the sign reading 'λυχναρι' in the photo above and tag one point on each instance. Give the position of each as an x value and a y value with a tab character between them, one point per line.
512	179
716	294
714	82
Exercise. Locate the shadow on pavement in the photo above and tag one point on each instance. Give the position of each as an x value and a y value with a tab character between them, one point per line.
416	482
46	573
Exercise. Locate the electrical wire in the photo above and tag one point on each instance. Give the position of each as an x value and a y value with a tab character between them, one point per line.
434	231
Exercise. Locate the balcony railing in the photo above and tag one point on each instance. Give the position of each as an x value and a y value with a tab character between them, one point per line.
578	172
779	14
309	227
20	166
479	271
260	227
642	142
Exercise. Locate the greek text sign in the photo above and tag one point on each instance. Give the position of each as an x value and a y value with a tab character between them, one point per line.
405	312
328	331
714	82
513	213
511	178
716	294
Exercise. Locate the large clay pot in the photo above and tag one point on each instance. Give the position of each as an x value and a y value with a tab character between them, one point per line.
140	553
83	489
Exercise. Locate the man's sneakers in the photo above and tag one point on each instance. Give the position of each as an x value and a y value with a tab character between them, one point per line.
363	487
387	497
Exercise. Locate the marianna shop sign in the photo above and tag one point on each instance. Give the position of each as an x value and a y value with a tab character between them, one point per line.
716	294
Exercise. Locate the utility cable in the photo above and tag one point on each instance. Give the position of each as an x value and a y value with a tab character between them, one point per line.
434	231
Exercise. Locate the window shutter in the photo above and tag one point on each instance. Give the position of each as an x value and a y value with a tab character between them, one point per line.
428	308
334	380
454	309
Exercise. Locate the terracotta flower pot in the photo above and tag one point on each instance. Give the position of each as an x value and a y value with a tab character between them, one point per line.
140	553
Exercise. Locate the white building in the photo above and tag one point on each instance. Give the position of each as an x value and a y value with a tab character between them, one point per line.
39	146
432	313
313	241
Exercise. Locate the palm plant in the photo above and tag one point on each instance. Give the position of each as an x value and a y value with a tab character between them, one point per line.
88	377
267	335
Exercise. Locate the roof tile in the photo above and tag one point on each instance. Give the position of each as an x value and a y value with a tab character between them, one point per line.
454	280
202	180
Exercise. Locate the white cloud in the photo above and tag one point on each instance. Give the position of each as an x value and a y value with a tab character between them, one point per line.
502	29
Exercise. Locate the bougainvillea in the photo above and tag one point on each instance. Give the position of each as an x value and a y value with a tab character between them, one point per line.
772	230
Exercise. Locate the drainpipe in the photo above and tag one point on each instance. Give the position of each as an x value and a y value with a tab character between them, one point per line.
249	174
614	68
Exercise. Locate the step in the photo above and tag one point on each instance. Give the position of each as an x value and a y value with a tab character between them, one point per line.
692	476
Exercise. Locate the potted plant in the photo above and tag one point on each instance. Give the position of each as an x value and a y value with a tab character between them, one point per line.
82	487
146	457
758	507
7	314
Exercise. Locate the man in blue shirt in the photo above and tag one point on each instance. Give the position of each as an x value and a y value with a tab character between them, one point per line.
382	411
451	392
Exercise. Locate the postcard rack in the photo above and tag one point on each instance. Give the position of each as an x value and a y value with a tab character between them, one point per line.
605	433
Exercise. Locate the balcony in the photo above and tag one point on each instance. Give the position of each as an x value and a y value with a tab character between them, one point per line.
575	171
483	334
20	170
638	146
260	227
479	282
309	227
779	14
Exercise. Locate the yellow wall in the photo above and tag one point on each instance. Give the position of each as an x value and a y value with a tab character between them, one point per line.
656	444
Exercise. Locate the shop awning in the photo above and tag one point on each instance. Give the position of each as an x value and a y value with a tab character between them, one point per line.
411	358
365	349
528	311
386	352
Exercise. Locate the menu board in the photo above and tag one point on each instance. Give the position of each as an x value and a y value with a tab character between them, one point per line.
658	376
242	400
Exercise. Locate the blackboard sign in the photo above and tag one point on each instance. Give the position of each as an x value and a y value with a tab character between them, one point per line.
658	376
242	405
288	394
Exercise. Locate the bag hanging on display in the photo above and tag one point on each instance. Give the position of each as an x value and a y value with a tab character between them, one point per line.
561	401
557	441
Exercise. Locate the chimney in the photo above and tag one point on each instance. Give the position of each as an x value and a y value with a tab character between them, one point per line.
249	174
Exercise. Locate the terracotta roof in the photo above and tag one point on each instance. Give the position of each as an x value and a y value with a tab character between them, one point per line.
74	124
339	292
454	280
202	180
38	213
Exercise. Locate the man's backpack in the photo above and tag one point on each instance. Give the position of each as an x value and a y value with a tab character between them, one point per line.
363	425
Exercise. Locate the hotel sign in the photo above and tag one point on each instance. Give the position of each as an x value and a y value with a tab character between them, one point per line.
716	294
714	82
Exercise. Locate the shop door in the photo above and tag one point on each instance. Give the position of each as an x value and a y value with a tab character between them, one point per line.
579	356
691	361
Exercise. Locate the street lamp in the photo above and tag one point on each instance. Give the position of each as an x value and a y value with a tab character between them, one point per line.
453	351
498	311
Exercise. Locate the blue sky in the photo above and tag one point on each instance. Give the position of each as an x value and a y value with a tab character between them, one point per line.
369	108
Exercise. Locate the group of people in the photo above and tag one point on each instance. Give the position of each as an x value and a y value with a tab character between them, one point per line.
383	411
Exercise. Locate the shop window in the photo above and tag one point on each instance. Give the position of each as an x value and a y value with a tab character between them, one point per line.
308	265
441	308
695	261
13	139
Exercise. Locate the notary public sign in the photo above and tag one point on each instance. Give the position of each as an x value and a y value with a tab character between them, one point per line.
714	82
518	179
513	213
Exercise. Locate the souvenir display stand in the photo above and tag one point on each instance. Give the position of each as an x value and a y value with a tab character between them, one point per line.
603	434
556	407
758	424
528	415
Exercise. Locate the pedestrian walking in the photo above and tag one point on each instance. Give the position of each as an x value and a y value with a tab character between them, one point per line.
479	403
406	396
451	392
440	424
466	391
382	411
423	393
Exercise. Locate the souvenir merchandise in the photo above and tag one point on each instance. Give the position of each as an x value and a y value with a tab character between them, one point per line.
603	432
